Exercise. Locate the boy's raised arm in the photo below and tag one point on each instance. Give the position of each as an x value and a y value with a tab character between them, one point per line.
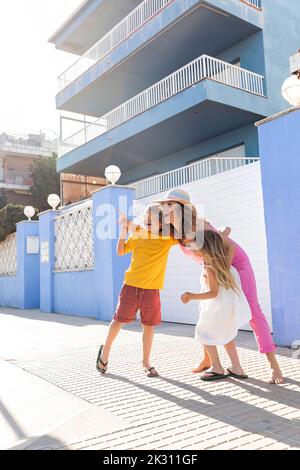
123	235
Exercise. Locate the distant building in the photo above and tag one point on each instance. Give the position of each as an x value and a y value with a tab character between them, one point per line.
17	154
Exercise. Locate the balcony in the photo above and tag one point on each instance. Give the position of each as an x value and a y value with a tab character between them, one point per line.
16	180
91	20
188	174
134	50
205	98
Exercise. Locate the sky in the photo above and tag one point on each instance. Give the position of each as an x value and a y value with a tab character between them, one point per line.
29	65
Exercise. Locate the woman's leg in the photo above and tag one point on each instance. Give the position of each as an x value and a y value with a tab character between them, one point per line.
259	323
114	330
231	350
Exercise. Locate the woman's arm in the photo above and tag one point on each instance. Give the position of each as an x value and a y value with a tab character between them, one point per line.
210	294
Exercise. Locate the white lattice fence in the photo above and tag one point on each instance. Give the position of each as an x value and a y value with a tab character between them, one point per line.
8	256
74	244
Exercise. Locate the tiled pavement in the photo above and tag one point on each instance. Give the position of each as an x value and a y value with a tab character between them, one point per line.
174	411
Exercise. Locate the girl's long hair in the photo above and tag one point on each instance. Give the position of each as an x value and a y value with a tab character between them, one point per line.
216	255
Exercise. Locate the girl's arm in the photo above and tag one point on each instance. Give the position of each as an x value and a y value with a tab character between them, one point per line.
210	294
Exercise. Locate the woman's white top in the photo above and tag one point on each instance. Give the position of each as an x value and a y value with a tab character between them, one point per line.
221	318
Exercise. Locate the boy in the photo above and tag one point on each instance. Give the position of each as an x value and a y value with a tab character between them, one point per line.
142	283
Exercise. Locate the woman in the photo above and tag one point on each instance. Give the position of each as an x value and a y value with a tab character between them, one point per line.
180	213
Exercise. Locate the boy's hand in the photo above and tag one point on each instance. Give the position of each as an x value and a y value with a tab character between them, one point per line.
187	297
123	220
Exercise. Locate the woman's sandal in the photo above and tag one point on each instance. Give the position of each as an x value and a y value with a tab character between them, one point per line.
237	376
151	372
99	362
213	376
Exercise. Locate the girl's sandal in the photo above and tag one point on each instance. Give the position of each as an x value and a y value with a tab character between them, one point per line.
213	376
151	372
237	376
99	362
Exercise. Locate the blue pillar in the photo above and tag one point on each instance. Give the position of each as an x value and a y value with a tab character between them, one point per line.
280	168
47	260
28	264
109	267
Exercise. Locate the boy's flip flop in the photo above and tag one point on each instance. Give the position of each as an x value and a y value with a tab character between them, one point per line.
99	362
151	372
213	376
237	376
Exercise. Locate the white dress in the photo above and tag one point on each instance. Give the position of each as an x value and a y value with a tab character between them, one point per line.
220	318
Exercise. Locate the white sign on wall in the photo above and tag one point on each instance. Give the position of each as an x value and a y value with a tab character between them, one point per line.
32	245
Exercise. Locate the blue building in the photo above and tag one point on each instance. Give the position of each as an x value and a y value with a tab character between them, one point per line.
160	84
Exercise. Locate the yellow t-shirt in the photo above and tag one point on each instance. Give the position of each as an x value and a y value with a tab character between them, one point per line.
149	259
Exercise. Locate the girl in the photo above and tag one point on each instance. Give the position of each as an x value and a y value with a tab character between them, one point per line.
223	306
186	221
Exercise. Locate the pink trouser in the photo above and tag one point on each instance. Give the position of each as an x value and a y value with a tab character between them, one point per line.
259	322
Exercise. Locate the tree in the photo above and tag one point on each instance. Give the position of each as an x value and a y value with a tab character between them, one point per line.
3	200
45	181
10	215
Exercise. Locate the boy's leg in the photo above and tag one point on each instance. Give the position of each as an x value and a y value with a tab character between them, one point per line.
231	350
148	333
150	310
114	330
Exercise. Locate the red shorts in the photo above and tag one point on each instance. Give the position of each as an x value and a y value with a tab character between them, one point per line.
132	299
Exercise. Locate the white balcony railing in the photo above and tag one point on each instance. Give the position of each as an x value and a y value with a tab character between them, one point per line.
128	26
204	67
254	3
122	31
188	174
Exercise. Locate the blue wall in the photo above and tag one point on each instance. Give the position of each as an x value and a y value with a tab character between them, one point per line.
9	294
281	35
244	136
280	167
22	290
74	293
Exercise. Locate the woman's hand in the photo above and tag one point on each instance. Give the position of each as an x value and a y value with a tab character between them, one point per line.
186	297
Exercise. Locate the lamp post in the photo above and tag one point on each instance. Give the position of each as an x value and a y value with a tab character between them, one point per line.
53	201
291	86
29	211
112	174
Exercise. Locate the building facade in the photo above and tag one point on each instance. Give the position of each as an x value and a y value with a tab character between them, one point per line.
17	155
161	84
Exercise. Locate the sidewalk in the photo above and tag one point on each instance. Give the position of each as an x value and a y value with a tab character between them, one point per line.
52	397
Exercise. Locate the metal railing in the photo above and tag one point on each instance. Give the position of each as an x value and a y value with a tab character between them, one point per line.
254	3
122	31
128	26
188	174
204	67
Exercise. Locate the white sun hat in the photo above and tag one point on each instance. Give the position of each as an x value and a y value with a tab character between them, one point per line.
176	195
